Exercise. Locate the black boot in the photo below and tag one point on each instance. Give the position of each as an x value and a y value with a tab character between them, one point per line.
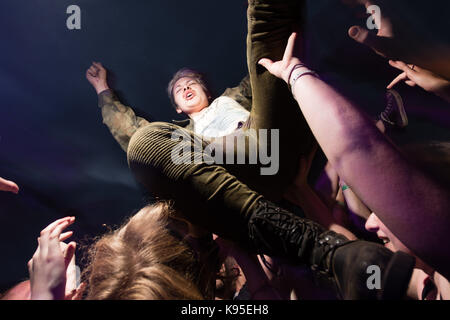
357	265
342	263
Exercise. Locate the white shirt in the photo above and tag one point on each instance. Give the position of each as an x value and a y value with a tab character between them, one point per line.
221	118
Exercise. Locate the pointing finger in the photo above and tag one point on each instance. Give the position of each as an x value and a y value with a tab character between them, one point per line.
398	79
290	47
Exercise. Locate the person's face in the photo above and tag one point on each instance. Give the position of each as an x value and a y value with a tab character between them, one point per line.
189	96
373	224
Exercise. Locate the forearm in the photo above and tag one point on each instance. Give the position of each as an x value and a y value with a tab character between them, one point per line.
121	120
380	176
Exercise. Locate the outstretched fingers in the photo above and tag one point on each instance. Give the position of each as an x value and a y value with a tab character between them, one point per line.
408	75
66	221
398	79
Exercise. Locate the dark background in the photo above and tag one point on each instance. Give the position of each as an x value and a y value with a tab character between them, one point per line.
52	140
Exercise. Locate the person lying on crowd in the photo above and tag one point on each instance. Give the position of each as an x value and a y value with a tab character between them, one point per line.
382	177
272	110
189	94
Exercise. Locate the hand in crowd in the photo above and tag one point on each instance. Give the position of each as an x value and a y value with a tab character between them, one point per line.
52	267
394	41
414	75
258	280
282	69
6	185
384	42
97	76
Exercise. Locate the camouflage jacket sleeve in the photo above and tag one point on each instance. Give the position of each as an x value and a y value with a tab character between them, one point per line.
120	119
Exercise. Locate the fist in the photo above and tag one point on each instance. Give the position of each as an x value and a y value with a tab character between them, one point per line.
96	75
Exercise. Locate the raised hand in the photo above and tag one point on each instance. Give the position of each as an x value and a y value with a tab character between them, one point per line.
97	76
49	264
414	75
283	68
6	185
394	41
383	42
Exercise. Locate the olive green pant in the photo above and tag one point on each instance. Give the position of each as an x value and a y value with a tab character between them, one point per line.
211	195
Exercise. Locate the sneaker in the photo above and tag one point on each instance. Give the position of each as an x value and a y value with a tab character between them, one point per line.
394	114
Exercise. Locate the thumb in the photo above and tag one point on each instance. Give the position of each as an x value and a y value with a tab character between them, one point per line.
266	63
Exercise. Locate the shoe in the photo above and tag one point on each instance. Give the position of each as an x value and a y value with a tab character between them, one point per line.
394	115
335	260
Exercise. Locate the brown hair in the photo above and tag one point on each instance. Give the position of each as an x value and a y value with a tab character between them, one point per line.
188	73
143	260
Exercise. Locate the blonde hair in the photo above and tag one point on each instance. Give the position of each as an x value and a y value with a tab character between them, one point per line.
142	261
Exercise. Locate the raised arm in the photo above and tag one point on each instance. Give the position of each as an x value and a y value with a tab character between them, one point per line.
120	119
409	202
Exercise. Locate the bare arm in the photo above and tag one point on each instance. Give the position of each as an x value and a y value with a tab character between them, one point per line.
410	203
120	119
